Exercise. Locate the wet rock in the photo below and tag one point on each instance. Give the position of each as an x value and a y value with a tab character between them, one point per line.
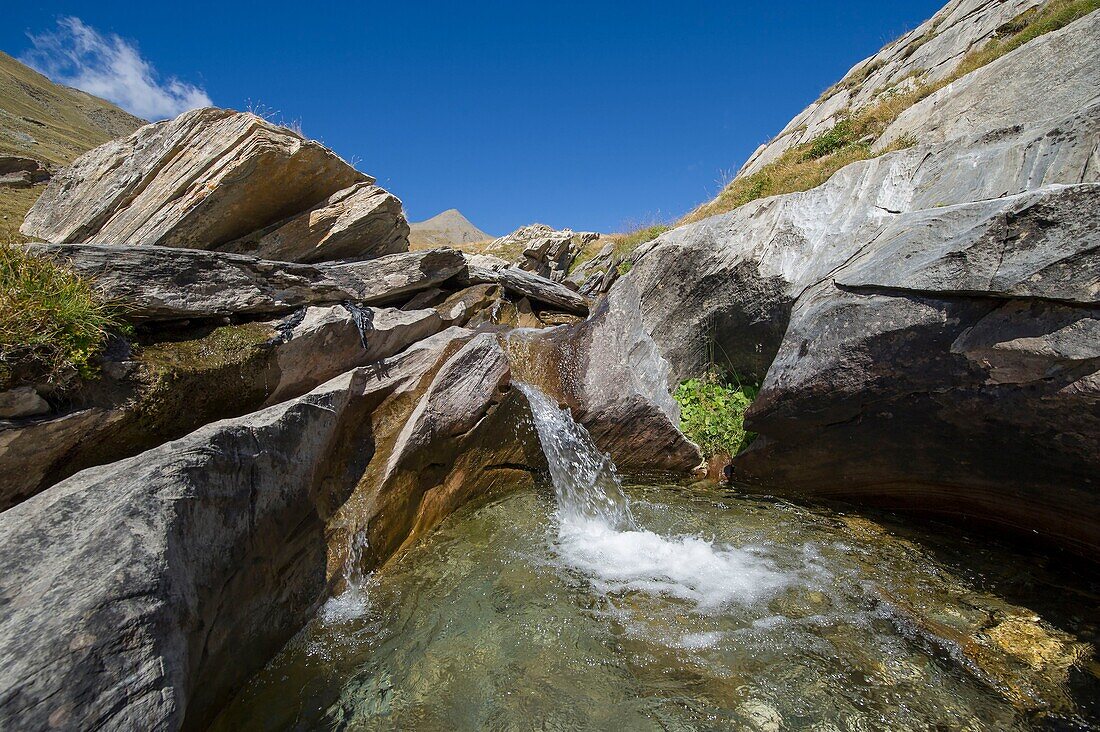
160	283
22	401
612	376
177	570
359	222
200	180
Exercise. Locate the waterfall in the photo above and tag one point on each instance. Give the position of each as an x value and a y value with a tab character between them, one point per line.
599	536
584	478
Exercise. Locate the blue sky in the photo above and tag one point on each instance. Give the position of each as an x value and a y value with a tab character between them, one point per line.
591	115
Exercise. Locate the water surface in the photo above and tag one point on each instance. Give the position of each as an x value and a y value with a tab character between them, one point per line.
584	606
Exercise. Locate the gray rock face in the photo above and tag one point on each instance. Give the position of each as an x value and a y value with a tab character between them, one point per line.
930	52
725	285
161	283
1007	90
359	222
926	319
484	269
203	179
160	583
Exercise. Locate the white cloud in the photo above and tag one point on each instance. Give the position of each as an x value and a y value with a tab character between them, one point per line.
110	67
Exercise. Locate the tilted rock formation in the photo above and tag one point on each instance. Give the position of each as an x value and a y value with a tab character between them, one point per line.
930	313
359	222
172	387
485	269
213	178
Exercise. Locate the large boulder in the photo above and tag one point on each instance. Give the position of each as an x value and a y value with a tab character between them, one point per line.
962	360
205	179
161	283
359	222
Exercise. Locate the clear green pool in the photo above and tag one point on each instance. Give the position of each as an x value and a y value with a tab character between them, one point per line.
724	613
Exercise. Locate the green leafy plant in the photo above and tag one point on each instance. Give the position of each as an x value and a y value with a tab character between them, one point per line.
52	321
712	411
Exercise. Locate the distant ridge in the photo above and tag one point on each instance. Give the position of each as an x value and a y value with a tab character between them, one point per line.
447	228
51	122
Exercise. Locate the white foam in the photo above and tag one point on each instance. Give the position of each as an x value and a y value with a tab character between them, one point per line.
711	576
350	604
697	641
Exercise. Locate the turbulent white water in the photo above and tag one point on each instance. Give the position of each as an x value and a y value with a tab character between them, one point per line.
598	534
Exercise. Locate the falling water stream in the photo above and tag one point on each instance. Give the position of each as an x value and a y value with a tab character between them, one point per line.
672	608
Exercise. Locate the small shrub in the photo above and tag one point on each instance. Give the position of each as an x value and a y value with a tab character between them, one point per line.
712	412
52	322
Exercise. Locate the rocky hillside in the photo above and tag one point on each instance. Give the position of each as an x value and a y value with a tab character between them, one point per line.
48	123
925	322
444	230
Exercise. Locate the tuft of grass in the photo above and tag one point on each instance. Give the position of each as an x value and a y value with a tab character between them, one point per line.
624	244
712	411
850	140
52	321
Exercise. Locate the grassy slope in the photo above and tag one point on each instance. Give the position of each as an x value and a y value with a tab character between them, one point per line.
51	123
808	166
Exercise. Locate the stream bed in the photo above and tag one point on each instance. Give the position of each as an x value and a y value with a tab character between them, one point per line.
586	606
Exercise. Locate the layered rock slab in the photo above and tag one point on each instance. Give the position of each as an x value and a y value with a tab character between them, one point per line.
162	283
202	179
